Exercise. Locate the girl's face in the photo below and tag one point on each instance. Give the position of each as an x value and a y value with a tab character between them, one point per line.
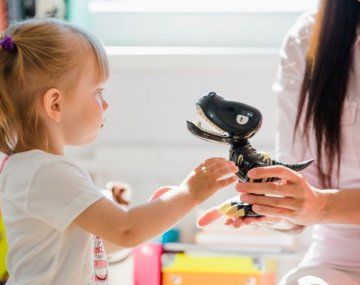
83	113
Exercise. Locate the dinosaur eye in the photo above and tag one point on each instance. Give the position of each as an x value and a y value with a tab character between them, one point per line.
241	119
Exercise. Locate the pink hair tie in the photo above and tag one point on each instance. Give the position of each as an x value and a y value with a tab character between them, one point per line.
7	43
3	162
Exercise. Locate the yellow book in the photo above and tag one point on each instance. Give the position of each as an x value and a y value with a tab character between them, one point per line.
183	269
3	249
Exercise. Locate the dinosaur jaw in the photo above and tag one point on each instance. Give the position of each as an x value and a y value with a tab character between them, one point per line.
206	125
203	127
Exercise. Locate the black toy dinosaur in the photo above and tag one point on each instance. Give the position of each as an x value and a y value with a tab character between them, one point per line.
234	123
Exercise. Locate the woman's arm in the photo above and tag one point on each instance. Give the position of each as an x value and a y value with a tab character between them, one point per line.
294	199
342	206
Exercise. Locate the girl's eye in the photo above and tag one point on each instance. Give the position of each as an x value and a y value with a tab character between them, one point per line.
99	93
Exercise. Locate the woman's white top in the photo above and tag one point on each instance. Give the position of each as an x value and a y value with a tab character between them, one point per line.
332	243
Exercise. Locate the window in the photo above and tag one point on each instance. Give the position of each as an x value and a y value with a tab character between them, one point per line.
189	23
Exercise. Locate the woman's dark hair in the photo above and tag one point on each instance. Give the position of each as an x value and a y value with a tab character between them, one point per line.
328	69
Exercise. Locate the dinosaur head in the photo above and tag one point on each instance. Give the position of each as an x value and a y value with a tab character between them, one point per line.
224	121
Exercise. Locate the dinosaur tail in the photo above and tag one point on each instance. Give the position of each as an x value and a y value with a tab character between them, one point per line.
297	166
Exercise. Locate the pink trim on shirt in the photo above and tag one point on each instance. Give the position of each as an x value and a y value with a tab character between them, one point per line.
3	162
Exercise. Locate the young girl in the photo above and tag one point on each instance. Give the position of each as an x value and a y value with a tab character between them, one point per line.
51	84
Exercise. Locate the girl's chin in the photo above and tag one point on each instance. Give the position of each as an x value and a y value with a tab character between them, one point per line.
85	141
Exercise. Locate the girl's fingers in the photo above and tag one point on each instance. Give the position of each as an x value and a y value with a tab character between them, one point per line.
275	171
272	212
279	188
226	181
218	164
209	162
208	217
215	166
213	160
228	169
277	202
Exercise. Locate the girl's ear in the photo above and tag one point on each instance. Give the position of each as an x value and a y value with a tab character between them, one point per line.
51	104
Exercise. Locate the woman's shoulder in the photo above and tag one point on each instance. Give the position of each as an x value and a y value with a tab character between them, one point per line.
301	29
297	38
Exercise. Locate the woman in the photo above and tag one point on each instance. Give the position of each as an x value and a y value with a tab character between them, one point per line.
318	91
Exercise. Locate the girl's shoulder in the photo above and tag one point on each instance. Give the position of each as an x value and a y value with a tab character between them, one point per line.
24	165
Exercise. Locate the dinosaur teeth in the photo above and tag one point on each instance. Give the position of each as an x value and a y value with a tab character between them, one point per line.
206	125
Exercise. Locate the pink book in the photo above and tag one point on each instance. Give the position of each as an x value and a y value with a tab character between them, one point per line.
147	264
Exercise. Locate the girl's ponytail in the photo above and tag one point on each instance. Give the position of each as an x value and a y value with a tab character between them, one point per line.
7	120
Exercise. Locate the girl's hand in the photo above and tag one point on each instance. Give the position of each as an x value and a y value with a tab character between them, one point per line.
119	192
292	197
208	177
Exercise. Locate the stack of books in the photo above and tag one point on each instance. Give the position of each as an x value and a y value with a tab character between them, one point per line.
18	10
192	269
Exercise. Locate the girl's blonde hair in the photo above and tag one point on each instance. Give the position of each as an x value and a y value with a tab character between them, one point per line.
47	54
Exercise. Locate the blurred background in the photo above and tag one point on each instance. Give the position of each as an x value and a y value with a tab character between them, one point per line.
164	55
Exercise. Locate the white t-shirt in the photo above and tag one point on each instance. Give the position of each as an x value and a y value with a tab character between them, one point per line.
41	195
334	244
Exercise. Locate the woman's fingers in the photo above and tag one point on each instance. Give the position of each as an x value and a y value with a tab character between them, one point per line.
278	188
208	217
229	222
275	171
272	211
241	221
277	202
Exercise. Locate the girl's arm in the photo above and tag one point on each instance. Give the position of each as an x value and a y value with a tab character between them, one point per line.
132	227
129	228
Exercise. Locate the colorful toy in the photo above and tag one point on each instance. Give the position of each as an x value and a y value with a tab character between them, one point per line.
234	123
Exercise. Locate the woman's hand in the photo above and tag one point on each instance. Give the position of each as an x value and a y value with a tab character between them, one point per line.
292	197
